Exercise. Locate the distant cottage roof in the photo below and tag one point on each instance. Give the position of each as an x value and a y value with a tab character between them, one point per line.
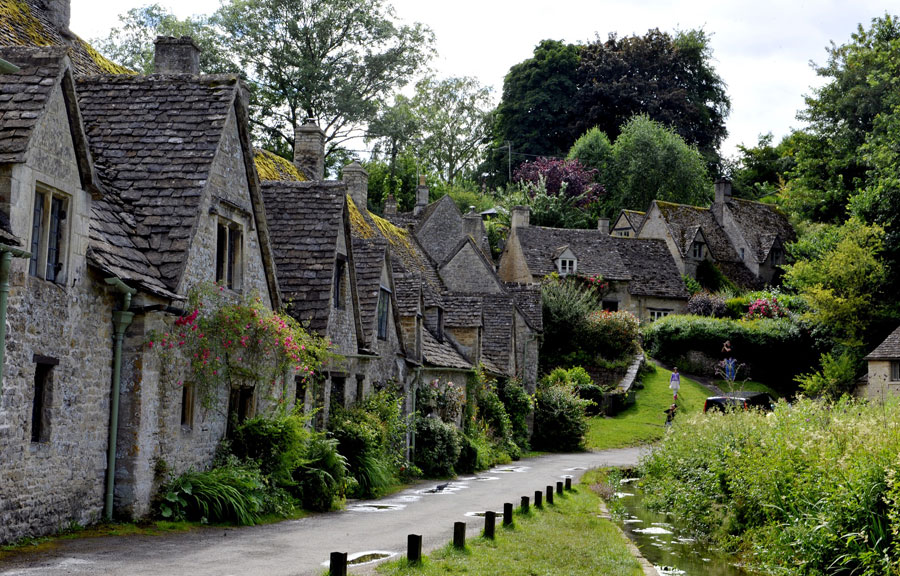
594	250
653	271
887	350
27	23
498	325
462	311
760	224
634	218
684	221
528	300
305	223
153	140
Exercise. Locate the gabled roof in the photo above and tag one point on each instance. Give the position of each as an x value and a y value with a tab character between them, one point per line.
887	350
462	311
441	354
594	250
634	218
305	222
498	326
153	139
761	225
26	23
528	300
653	270
369	257
683	222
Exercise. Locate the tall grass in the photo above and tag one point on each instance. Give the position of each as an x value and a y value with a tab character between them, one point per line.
808	489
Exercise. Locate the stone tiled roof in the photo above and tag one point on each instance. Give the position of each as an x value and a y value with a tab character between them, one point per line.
760	224
635	218
441	354
24	95
887	350
462	311
684	221
369	257
594	250
153	140
406	291
528	300
26	23
498	324
271	166
305	223
653	270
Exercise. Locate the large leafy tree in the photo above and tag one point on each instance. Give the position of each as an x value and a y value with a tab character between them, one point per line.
670	79
334	61
131	43
453	118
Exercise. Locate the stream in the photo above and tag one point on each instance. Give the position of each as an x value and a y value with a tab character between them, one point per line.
659	540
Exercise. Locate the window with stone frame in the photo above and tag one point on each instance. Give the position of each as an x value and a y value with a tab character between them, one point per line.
229	254
777	255
340	266
657	313
49	235
41	403
384	305
187	406
895	371
567	266
697	250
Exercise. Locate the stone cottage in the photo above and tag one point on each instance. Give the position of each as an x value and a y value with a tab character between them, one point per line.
744	239
119	194
883	377
641	274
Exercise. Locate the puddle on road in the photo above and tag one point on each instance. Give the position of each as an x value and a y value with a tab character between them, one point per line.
375	507
362	558
482	514
509	469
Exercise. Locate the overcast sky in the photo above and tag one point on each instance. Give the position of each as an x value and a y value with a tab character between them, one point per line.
761	48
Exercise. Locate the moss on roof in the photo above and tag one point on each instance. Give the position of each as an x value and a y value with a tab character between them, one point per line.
102	61
271	166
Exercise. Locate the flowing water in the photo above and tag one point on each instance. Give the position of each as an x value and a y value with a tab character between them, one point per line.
661	543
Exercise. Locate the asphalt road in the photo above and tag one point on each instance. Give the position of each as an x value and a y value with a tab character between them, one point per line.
302	547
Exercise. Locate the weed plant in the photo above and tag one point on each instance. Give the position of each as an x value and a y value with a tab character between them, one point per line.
809	489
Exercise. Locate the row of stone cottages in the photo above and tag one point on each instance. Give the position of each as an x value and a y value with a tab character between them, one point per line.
120	193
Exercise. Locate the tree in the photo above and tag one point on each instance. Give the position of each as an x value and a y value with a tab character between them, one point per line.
760	170
453	117
535	114
594	150
132	44
652	162
392	130
335	61
668	79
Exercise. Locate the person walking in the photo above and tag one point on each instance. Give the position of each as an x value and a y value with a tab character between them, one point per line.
675	384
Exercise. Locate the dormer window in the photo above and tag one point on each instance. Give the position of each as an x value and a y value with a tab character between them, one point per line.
567	266
340	265
49	234
229	254
777	255
697	250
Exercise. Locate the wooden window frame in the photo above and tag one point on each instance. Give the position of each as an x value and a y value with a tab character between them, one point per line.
339	286
188	397
229	254
382	312
49	243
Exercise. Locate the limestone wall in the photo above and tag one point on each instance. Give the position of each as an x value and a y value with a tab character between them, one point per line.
879	385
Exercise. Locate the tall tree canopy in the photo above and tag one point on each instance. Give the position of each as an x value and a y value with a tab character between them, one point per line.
335	61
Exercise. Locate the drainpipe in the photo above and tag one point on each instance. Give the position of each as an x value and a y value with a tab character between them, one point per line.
121	320
6	256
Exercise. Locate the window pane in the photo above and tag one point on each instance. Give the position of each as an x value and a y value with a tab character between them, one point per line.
338	283
36	230
221	247
383	313
54	260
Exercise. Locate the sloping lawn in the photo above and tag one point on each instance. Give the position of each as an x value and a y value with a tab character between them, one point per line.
644	421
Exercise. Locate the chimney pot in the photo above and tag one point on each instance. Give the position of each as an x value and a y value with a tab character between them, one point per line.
519	217
309	150
390	205
723	190
421	196
59	12
357	180
176	56
603	225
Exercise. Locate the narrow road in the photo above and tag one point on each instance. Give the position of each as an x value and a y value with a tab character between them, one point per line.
302	547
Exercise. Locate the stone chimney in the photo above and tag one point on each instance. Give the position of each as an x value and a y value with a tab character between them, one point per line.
357	180
176	56
519	216
473	226
390	205
603	225
421	196
723	195
309	150
58	11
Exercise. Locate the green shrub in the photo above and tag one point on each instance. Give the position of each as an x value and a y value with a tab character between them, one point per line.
493	413
276	444
233	493
437	446
565	306
610	335
320	476
518	406
836	377
359	439
691	284
560	420
711	278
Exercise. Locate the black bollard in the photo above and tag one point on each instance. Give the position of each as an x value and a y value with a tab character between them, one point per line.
337	566
549	495
507	514
490	520
459	535
414	548
525	504
538	499
568	484
559	486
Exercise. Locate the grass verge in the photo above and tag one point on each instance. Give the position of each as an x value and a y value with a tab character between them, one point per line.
565	538
644	421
